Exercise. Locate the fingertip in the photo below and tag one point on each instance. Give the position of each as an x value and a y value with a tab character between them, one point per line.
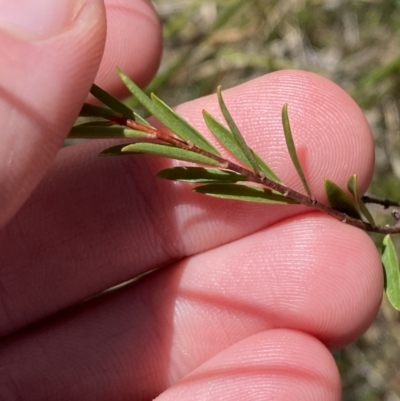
41	94
331	129
275	364
331	134
309	273
136	51
344	281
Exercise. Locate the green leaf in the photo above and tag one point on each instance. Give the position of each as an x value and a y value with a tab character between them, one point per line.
141	120
91	131
243	193
237	136
201	175
167	116
97	123
392	273
88	110
225	136
115	150
170	152
142	98
265	169
352	186
339	200
179	126
112	102
292	149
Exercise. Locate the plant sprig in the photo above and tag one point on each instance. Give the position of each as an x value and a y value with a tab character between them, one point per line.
247	178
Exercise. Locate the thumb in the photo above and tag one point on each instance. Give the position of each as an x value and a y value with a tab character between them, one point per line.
50	52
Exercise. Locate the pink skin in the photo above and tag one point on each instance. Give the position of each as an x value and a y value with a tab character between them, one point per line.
254	295
42	94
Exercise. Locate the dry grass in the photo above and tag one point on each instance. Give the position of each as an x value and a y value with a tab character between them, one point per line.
354	43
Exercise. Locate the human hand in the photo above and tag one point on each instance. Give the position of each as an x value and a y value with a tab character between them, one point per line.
254	295
50	56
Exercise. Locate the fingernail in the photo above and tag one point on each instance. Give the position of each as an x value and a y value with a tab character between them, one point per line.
37	19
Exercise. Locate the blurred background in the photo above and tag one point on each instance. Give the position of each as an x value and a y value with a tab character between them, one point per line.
355	44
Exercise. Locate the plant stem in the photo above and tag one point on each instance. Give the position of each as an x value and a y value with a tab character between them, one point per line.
259	178
386	203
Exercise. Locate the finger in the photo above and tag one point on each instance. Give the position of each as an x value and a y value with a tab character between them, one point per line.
50	57
130	222
312	274
277	364
134	43
45	94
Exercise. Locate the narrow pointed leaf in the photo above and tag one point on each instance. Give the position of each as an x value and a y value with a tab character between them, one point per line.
167	116
265	169
179	126
114	151
352	186
238	137
225	136
102	132
339	200
243	193
112	102
168	151
292	149
89	110
201	175
392	273
97	123
141	120
141	97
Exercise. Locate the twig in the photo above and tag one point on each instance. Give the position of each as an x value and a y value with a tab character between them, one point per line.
386	203
259	178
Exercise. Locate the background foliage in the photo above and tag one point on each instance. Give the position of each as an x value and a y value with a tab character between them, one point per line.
355	43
